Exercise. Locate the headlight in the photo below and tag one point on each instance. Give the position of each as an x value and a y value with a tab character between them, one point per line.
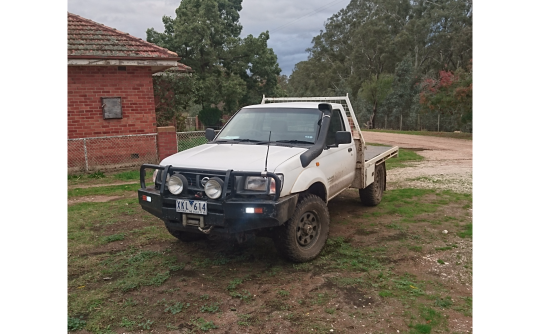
213	187
258	183
177	183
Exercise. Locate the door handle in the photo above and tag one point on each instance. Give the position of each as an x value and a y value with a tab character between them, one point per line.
350	149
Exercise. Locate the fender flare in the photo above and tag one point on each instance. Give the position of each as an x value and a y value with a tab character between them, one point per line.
307	178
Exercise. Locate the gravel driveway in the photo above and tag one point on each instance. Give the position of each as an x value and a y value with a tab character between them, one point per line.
447	164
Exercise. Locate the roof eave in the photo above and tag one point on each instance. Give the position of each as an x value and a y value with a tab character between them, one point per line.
122	57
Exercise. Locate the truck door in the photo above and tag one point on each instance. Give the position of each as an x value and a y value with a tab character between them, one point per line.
338	162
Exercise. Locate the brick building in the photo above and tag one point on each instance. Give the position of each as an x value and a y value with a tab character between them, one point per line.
110	94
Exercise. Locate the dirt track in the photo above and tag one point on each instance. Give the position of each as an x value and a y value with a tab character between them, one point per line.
447	164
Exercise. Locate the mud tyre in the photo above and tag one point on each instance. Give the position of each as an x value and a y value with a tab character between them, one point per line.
186	236
372	195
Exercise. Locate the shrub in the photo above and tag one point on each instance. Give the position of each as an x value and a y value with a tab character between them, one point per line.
210	117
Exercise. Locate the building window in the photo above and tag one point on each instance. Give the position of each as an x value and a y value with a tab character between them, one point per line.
112	107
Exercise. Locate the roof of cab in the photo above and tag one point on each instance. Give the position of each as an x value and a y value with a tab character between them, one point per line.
306	105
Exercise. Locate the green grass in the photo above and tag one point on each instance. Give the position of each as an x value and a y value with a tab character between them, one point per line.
126	273
103	178
234	284
467	232
283	293
176	308
415	248
340	254
114	237
385	293
444	302
129	175
410	203
347	281
462	135
212	308
404	157
104	191
75	324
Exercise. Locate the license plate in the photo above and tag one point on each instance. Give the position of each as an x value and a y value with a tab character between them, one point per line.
191	206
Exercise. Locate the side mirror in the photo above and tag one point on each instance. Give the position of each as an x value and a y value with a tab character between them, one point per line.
343	137
210	134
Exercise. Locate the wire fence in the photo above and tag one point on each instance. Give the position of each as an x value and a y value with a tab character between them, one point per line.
102	153
418	122
189	139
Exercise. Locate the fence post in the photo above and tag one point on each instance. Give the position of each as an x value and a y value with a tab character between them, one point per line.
419	128
385	119
85	156
166	138
400	121
438	121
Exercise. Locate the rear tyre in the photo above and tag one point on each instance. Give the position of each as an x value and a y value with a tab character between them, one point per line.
372	195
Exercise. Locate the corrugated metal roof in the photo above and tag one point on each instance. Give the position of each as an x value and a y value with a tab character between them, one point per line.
94	40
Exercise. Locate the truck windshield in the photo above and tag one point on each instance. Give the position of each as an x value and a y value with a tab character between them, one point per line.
288	125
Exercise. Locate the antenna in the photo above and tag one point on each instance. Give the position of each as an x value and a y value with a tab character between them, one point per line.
267	149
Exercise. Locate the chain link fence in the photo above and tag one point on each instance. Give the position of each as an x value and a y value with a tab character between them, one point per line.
189	139
418	122
102	153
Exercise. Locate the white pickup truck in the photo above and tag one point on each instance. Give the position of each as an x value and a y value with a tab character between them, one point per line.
271	170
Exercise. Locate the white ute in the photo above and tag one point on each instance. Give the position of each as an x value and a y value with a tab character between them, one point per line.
271	170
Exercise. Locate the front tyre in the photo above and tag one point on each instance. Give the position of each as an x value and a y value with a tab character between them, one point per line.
303	236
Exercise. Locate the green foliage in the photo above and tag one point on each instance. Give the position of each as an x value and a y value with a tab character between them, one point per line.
443	302
386	37
75	324
176	308
283	293
174	94
146	325
96	175
210	117
213	308
244	295
204	325
128	324
374	91
230	70
450	93
234	284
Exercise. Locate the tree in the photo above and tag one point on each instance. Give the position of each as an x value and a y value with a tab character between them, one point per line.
450	93
173	95
401	102
374	91
370	37
230	70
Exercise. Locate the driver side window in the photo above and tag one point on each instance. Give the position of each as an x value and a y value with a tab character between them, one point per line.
336	124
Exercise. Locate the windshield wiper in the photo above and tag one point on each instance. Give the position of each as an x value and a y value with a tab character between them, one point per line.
294	141
247	140
237	140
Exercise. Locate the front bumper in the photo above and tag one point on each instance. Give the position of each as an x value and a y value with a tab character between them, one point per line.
224	216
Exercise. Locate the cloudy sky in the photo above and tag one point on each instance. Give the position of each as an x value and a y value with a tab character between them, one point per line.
292	24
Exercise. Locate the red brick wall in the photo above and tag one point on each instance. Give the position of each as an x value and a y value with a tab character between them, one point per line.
88	84
167	144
